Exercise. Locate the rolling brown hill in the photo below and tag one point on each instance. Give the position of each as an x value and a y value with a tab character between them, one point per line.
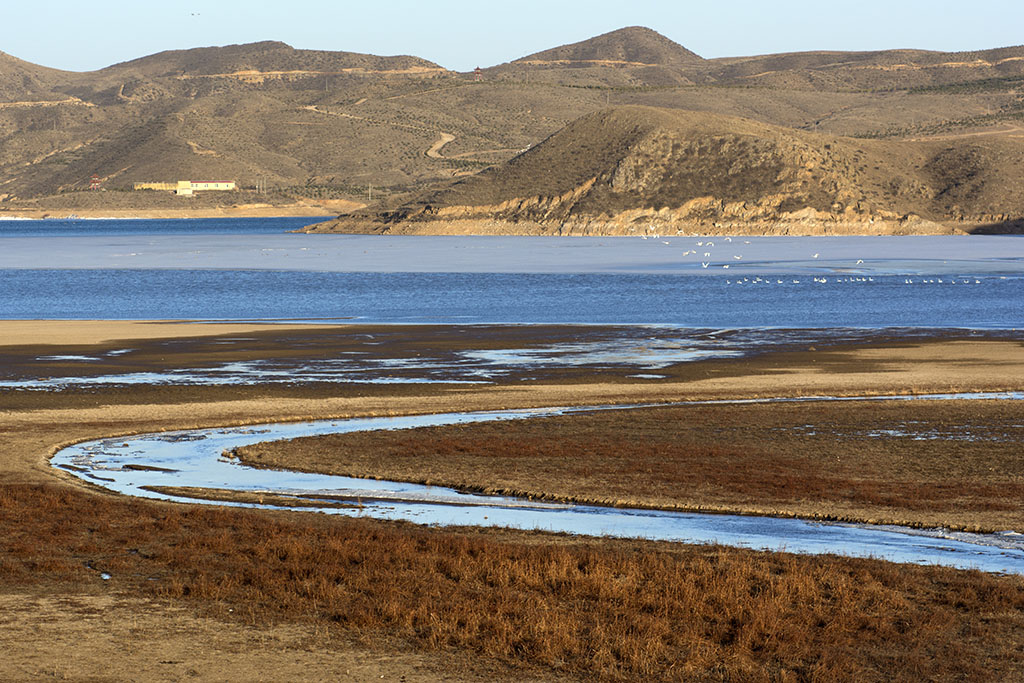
23	81
344	125
200	71
628	56
264	57
883	70
634	46
241	112
641	170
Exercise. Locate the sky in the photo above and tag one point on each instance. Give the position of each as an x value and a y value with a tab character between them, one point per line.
460	35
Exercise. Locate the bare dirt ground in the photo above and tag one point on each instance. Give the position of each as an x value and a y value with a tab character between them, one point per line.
435	149
1008	130
60	619
105	636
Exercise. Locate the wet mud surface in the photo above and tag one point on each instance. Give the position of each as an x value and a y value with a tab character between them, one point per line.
396	356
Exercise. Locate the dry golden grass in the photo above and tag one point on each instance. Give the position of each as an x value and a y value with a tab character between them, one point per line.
608	610
820	460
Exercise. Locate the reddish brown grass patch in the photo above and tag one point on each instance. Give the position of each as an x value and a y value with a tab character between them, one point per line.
600	609
811	459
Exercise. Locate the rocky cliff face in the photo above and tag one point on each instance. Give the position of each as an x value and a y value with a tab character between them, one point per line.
637	170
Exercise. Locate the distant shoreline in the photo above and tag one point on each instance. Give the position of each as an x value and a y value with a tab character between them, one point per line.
287	211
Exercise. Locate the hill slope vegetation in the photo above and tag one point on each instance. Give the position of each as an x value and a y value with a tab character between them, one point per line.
634	170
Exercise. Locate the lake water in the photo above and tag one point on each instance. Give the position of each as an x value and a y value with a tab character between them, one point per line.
254	269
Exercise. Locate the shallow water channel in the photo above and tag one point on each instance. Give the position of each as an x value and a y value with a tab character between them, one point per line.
146	464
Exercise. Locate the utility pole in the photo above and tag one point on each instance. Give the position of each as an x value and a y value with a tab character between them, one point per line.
369	194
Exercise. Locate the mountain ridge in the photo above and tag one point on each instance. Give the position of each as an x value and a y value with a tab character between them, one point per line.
358	127
263	55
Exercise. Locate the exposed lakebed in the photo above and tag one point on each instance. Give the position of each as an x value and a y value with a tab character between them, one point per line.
456	355
153	465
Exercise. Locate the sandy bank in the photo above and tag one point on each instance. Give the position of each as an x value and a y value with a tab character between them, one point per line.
88	332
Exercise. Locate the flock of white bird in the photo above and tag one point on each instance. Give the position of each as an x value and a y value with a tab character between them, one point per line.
707	254
707	244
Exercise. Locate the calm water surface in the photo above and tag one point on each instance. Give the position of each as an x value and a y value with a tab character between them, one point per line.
985	302
253	269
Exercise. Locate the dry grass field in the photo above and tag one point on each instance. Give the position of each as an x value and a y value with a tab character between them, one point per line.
586	609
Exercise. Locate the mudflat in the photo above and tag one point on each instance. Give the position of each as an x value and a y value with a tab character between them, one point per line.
47	419
339	597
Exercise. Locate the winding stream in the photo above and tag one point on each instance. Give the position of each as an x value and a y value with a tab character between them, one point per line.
146	465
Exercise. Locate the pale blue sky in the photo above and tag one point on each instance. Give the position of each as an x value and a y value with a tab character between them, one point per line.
81	35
